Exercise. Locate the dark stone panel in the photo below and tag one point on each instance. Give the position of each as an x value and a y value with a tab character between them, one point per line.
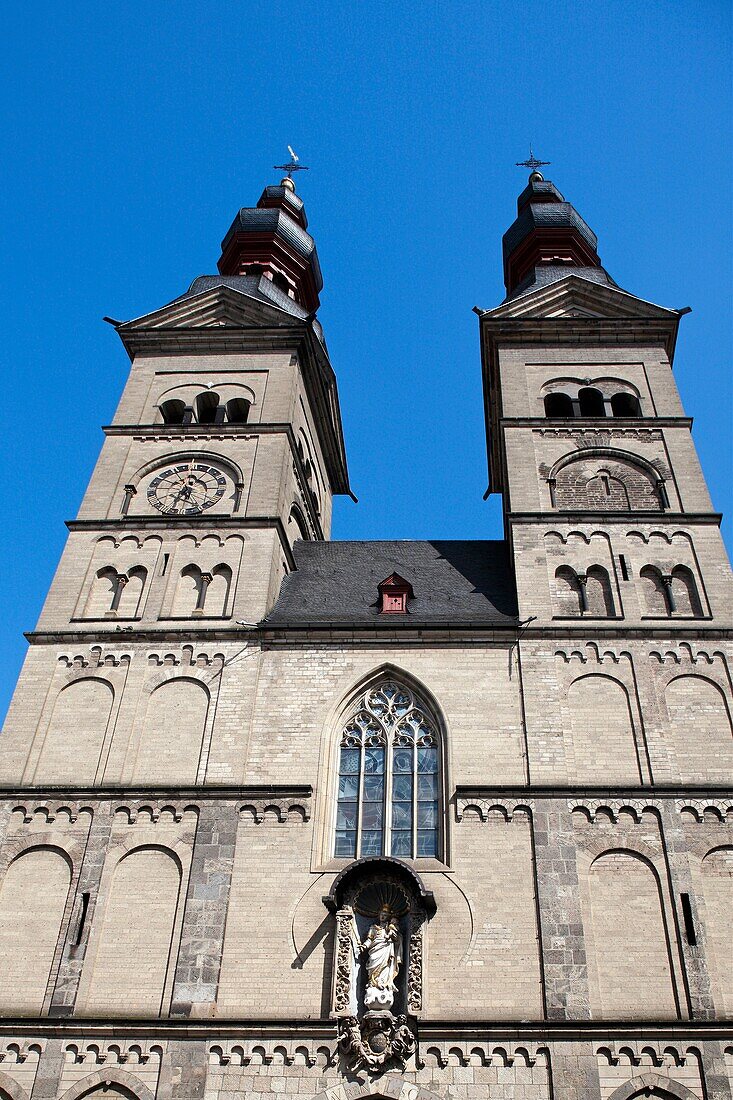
561	923
202	936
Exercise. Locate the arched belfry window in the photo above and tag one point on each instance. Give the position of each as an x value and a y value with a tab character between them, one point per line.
389	777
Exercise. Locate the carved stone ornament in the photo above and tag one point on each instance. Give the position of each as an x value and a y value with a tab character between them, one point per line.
379	1038
381	909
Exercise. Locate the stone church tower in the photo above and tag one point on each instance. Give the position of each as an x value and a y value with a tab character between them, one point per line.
351	820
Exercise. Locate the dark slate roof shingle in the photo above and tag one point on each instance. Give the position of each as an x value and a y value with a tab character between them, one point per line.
455	583
543	275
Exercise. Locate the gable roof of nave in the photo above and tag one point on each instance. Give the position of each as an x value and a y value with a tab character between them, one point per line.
455	583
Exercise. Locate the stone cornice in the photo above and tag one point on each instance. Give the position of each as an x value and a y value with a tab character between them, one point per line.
252	792
255	792
200	431
598	424
343	634
581	792
603	518
211	1030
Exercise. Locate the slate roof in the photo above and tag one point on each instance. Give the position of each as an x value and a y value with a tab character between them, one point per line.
543	275
546	215
455	583
255	219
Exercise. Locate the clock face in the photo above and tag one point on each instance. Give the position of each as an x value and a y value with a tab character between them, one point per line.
187	489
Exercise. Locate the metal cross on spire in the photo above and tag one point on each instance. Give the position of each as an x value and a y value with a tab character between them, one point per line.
532	163
294	165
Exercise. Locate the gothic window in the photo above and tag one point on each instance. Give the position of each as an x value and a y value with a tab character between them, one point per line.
625	404
591	402
389	778
559	405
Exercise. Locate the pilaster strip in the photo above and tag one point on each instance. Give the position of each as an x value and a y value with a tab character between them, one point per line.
202	937
48	1077
561	923
699	986
72	958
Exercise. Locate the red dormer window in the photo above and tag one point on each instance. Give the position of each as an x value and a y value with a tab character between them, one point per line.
394	593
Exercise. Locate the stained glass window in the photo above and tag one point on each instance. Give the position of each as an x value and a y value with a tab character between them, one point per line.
389	778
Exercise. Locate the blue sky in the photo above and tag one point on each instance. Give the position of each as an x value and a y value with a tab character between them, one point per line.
132	133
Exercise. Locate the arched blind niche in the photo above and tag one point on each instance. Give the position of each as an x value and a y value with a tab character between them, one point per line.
389	777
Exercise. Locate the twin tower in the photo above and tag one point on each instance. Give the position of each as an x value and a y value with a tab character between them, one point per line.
407	820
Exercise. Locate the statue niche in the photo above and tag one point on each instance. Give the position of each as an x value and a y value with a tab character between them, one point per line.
380	906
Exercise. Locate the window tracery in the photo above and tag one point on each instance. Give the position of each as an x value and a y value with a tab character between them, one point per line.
388	780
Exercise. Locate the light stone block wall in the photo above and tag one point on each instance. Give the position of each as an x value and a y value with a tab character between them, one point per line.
552	671
629	916
256	556
711	862
616	758
270	885
483	954
301	693
620	1063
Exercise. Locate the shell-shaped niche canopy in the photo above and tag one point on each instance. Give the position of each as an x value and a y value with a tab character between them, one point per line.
368	884
373	897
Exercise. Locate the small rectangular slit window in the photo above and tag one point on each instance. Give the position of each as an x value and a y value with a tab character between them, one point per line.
82	918
624	567
687	917
164	566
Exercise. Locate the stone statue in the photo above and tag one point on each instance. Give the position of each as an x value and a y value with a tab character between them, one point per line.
383	947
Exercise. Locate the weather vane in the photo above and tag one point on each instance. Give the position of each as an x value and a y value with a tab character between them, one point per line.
533	164
294	165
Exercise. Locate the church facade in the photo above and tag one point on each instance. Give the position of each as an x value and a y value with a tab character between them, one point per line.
367	820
